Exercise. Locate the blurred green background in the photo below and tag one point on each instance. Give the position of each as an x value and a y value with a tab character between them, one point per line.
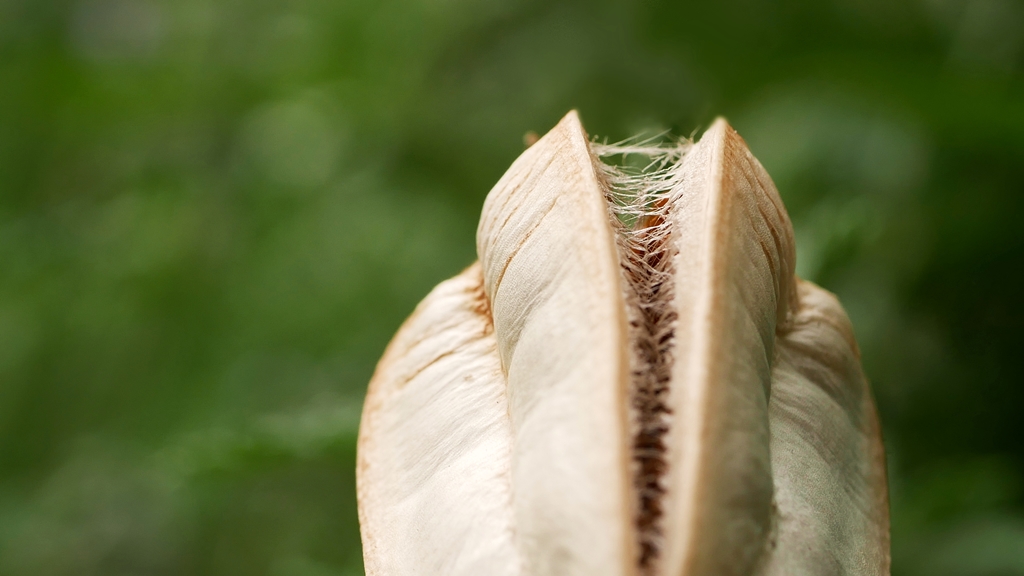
214	214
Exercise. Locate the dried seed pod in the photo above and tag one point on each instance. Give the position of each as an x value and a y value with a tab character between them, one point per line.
630	381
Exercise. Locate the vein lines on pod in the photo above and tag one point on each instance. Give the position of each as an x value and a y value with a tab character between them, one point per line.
630	381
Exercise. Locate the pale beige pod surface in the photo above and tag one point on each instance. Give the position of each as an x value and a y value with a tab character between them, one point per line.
630	381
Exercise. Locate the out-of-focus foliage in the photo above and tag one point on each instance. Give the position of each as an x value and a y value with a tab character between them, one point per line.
213	215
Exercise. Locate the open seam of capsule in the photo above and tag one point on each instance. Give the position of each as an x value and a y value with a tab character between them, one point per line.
639	198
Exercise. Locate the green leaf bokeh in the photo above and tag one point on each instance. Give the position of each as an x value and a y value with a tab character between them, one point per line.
214	214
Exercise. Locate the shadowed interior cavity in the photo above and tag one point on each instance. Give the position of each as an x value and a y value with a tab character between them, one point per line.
641	189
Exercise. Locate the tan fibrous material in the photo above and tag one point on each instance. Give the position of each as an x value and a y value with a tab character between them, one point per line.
631	381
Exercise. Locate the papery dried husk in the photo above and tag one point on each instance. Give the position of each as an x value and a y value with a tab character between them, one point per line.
630	381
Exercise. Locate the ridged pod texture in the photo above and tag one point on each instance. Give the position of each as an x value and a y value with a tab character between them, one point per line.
625	384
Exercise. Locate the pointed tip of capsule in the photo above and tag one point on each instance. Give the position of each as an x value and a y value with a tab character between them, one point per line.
570	127
570	123
720	129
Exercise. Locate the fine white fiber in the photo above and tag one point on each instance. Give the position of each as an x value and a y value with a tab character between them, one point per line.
639	197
